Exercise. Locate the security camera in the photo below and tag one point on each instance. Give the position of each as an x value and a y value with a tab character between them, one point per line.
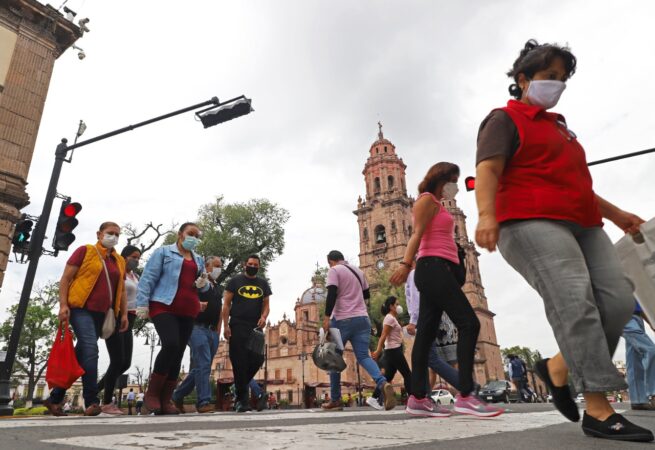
82	24
81	55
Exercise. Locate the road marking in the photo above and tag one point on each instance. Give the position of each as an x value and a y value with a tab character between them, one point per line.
373	433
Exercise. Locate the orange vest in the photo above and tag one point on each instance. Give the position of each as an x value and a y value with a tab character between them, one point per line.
87	277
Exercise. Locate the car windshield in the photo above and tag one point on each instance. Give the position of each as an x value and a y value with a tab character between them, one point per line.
494	385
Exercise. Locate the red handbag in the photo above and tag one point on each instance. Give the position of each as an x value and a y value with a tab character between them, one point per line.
63	368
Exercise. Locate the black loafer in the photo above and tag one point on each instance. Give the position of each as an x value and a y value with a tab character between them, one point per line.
562	398
615	427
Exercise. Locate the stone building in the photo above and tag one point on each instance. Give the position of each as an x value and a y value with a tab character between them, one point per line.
32	37
384	217
288	365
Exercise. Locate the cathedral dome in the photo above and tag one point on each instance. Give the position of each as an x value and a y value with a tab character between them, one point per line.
313	294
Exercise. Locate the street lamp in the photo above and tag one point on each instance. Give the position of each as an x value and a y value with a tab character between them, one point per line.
36	246
150	340
303	357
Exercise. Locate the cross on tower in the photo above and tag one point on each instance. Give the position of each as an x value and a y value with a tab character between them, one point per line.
380	135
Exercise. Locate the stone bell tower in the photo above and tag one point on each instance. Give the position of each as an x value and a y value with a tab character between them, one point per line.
384	216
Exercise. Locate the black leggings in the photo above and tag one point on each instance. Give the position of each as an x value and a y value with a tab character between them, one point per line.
119	347
174	332
440	292
394	361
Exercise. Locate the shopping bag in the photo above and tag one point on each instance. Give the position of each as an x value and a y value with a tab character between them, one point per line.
256	341
109	324
637	254
63	368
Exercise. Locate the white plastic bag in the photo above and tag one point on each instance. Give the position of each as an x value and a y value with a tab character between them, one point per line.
637	256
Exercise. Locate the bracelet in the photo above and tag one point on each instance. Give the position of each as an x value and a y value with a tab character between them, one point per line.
403	263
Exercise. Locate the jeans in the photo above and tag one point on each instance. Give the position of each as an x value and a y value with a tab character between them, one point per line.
442	368
587	298
86	326
441	292
357	331
245	363
255	389
639	361
203	344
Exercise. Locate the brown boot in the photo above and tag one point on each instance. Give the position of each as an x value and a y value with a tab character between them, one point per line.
167	406
152	399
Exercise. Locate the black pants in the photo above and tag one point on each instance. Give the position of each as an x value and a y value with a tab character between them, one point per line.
119	347
440	292
245	363
174	332
394	361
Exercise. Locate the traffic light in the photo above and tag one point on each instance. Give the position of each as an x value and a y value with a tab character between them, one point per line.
227	112
469	182
22	232
66	223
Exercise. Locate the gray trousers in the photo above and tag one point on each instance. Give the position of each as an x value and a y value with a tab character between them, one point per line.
587	298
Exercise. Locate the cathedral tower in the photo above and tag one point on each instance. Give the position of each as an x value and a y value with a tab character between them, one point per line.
385	215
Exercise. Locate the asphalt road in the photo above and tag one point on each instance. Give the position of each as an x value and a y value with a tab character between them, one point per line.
522	427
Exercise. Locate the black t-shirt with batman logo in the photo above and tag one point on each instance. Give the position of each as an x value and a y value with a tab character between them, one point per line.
248	299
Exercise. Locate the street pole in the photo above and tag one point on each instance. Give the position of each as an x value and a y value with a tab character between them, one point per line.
36	244
266	369
359	386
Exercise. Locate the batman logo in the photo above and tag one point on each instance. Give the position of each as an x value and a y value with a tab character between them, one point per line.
251	292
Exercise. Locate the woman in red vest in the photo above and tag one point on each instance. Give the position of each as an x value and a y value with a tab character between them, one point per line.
536	202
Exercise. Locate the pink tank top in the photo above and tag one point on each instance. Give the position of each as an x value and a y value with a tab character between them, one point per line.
439	236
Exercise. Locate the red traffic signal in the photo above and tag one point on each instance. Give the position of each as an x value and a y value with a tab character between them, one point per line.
469	182
66	223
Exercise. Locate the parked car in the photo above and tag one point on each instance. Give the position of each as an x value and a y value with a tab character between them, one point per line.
442	397
498	391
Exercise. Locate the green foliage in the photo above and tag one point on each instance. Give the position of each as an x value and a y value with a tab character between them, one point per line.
36	411
37	335
526	354
234	231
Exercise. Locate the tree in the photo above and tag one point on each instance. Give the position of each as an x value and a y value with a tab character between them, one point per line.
140	375
137	237
36	336
529	356
234	231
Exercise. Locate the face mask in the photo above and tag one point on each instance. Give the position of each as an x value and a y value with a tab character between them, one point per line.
399	310
109	241
545	93
252	271
132	264
449	191
190	242
215	273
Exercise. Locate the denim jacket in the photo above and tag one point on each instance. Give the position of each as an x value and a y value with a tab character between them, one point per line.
160	277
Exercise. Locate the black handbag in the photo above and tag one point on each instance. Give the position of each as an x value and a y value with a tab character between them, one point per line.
256	341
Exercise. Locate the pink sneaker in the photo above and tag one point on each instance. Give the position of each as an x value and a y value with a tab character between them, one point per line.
111	409
474	406
425	407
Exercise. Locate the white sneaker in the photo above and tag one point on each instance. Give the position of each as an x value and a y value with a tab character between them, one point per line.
373	403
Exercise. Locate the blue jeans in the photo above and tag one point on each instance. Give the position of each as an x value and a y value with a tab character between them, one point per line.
639	361
86	326
357	331
255	390
203	344
442	368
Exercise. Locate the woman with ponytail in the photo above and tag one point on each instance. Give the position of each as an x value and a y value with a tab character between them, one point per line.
537	204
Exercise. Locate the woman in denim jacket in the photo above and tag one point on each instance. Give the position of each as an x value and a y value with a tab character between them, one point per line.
168	294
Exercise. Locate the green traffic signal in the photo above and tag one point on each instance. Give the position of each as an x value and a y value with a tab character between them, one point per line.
22	232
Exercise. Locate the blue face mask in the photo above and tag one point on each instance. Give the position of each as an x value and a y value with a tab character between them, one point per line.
190	243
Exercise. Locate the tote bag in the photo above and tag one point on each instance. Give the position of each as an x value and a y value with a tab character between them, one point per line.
63	368
637	254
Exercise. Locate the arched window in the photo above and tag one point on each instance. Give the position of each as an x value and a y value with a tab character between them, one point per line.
385	149
380	235
376	185
390	182
393	226
409	229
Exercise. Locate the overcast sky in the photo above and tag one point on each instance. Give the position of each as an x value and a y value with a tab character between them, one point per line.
321	74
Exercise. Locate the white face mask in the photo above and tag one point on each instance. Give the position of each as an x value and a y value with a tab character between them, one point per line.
215	273
109	241
545	93
449	191
399	310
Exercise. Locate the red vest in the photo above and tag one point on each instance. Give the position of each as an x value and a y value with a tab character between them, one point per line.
548	176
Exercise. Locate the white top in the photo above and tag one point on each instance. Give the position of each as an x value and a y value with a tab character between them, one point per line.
131	284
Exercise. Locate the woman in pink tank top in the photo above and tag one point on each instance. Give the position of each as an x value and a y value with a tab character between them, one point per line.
433	242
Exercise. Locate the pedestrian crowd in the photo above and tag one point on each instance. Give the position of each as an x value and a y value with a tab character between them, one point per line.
536	205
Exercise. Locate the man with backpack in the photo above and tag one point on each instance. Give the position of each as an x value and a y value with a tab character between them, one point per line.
518	373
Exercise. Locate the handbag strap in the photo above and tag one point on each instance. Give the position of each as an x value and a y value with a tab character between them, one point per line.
354	273
104	266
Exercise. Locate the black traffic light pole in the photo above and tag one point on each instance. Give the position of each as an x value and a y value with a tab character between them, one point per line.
36	246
